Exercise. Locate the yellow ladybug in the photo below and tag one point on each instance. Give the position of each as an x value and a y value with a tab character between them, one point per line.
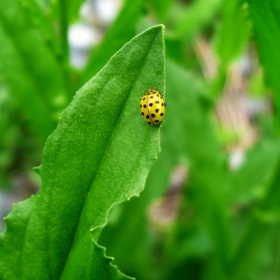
152	107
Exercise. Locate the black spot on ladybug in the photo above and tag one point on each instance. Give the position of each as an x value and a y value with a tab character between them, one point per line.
161	114
157	110
156	121
144	98
144	106
147	117
140	105
142	113
149	123
153	115
157	102
151	104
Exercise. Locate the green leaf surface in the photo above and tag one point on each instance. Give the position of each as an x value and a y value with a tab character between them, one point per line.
9	134
29	68
195	17
196	132
161	8
73	9
98	156
266	25
247	183
35	13
229	41
122	30
233	31
257	237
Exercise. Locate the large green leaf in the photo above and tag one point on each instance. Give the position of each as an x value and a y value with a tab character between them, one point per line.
266	24
98	156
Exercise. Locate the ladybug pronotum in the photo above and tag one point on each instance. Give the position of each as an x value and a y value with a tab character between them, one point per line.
152	107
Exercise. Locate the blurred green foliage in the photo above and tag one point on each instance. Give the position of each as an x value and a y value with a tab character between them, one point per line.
217	219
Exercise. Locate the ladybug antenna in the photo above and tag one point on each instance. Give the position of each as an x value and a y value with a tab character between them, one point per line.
157	85
142	87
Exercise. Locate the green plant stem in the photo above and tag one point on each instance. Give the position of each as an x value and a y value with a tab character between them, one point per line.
63	28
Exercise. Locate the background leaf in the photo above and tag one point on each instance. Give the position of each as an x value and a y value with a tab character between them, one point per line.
266	25
195	16
233	31
33	77
122	30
